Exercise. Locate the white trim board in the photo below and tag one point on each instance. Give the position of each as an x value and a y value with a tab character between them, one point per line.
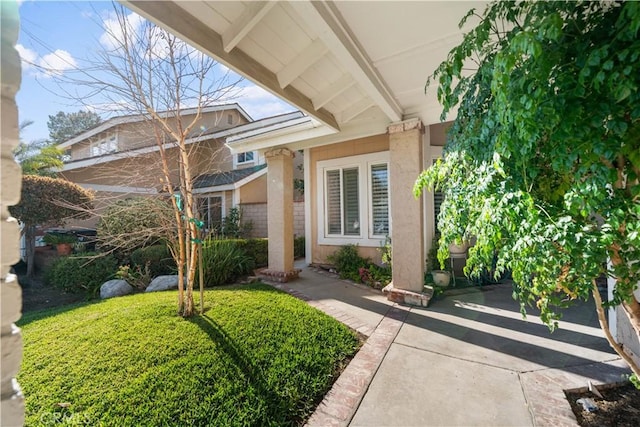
363	162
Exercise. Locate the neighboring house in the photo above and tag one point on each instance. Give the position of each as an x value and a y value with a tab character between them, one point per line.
119	158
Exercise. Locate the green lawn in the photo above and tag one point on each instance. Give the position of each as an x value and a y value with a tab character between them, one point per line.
257	357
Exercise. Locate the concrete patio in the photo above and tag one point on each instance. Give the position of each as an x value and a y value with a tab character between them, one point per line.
469	359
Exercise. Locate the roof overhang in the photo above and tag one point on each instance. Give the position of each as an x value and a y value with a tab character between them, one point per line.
135	118
344	63
233	186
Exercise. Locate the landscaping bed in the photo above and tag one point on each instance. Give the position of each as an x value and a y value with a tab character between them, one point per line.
256	357
618	407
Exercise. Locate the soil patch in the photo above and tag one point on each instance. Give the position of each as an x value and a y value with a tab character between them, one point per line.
619	406
37	295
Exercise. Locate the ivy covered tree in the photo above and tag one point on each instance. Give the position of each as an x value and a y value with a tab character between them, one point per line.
48	201
542	162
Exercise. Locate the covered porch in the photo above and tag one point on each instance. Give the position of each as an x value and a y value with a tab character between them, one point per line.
358	70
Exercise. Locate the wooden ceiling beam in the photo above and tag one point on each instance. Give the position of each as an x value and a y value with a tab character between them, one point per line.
169	15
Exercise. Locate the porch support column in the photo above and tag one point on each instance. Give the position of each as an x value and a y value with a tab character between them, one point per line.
280	215
406	163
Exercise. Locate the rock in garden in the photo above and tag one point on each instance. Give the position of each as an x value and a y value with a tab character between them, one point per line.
115	288
163	283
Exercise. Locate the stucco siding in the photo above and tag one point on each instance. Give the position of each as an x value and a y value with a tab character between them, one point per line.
373	144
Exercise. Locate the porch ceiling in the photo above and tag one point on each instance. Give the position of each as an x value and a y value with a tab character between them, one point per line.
346	63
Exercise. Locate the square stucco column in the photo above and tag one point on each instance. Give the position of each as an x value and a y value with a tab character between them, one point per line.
12	406
280	215
405	147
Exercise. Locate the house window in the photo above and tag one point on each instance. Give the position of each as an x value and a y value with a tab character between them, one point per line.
343	204
210	211
229	119
106	145
380	199
244	157
354	200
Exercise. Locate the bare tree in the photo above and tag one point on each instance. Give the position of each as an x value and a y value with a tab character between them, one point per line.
146	71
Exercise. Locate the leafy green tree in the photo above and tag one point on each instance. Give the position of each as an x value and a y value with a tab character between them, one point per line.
37	157
542	162
46	201
64	126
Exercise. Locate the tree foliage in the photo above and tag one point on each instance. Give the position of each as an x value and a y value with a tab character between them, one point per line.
44	200
543	160
37	157
64	126
137	222
47	201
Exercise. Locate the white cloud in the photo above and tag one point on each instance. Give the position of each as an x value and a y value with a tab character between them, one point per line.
57	63
51	64
113	29
27	56
259	103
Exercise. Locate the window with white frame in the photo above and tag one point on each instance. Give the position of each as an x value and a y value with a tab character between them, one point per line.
210	211
106	145
244	157
354	200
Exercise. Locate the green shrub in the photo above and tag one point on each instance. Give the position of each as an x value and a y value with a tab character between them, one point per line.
348	262
299	247
137	277
258	250
82	273
135	223
224	261
233	227
157	257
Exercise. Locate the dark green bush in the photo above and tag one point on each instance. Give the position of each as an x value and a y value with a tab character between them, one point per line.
258	250
135	223
82	273
348	262
224	261
299	247
233	227
158	257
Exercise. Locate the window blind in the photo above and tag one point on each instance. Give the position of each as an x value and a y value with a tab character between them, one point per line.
351	202
380	199
334	205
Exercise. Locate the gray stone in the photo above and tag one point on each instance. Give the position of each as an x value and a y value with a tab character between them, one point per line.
163	283
115	288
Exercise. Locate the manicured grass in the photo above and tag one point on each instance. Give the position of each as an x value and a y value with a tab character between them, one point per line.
257	357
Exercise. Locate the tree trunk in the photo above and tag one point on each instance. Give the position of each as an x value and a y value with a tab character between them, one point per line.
30	248
604	325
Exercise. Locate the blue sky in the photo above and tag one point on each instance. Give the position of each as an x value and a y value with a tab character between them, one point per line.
60	35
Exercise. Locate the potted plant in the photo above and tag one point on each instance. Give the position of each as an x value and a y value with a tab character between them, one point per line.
62	241
440	277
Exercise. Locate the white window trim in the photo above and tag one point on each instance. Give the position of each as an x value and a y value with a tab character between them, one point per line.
236	163
363	163
107	139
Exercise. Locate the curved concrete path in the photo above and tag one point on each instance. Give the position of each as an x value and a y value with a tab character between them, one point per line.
468	360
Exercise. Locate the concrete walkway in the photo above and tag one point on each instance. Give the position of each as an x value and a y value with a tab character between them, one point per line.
468	360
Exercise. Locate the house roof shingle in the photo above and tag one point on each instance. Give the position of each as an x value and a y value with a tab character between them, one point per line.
225	178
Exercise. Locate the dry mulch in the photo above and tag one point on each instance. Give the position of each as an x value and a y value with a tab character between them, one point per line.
619	407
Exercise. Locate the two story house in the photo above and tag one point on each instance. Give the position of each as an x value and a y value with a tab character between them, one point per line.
120	158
